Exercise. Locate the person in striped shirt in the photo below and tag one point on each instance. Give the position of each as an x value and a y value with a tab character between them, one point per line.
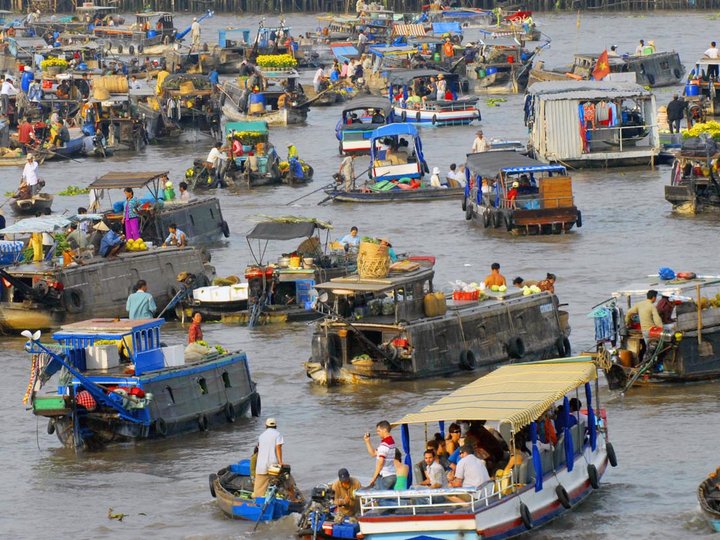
384	476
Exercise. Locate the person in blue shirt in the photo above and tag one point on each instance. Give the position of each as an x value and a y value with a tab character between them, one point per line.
214	77
391	251
351	240
141	304
27	78
111	243
176	237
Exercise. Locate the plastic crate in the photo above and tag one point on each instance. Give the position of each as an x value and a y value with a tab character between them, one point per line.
242	467
10	251
345	530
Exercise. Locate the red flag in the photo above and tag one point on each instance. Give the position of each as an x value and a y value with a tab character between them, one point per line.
602	68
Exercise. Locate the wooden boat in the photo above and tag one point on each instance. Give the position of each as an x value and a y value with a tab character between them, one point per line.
541	489
12	160
627	137
397	334
708	494
424	194
232	489
693	187
281	291
255	137
39	203
683	350
355	127
191	103
500	68
153	392
544	203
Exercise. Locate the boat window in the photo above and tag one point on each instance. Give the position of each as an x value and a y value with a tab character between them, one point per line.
192	219
170	393
212	214
226	379
202	383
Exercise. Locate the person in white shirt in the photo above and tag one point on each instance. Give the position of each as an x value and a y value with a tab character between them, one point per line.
639	48
613	51
713	54
435	179
471	471
217	159
480	144
362	42
434	472
318	78
385	475
134	83
8	89
29	175
455	175
195	32
270	445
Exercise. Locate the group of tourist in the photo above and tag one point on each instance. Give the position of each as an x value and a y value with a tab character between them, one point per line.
350	70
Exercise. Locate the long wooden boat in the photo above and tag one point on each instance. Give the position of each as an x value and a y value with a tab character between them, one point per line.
708	494
543	201
693	187
151	392
40	203
400	332
685	349
513	400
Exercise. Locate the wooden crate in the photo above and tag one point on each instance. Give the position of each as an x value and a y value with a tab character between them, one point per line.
556	192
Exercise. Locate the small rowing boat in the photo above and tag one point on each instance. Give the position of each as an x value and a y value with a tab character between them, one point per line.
708	494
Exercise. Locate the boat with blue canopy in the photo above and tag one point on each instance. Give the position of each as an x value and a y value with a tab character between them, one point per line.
550	480
117	382
358	121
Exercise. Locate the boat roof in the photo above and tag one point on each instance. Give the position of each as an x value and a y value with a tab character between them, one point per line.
106	327
259	126
667	287
153	14
286	230
355	283
383	50
368	102
516	394
117	180
47	223
404	76
394	129
447	27
95	8
508	161
562	90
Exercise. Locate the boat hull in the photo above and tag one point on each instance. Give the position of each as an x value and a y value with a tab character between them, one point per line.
41	202
529	222
396	195
454	114
708	494
282	117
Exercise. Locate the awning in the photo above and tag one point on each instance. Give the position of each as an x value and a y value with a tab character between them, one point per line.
369	102
47	223
275	230
119	180
440	28
252	127
405	76
408	30
488	164
344	52
515	394
394	129
580	90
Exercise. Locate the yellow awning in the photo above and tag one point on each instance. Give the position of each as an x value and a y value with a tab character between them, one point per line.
515	394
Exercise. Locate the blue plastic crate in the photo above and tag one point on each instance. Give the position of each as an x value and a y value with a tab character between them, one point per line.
304	286
242	467
10	251
345	530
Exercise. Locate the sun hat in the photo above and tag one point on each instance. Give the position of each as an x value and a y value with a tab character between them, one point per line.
270	422
101	226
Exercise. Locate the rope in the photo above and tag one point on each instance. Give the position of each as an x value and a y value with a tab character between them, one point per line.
462	330
33	378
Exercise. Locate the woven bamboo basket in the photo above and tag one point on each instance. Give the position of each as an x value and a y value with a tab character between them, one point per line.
373	261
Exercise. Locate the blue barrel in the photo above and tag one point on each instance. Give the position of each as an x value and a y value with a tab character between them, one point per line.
692	89
490	71
257	98
152	33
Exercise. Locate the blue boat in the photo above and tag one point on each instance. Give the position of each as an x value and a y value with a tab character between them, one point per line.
119	383
358	121
232	487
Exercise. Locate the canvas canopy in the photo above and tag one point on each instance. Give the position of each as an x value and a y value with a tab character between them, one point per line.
274	230
369	102
488	164
516	395
47	224
119	180
408	30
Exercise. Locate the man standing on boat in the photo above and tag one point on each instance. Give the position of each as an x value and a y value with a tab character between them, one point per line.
270	445
141	304
712	54
30	176
647	313
675	112
195	32
480	144
384	476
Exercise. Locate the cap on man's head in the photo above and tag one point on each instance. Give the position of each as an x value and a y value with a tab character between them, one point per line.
30	156
270	422
479	132
343	475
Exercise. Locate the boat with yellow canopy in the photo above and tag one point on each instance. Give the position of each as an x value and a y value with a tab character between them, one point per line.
515	400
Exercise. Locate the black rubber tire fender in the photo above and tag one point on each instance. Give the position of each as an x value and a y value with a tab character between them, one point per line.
497	218
467	360
567	347
507	218
578	220
562	345
612	457
255	405
131	50
225	228
202	422
229	410
677	73
418	116
516	347
119	48
51	427
468	212
593	476
434	119
211	482
73	300
563	496
140	48
486	218
650	78
526	516
160	427
403	116
464	203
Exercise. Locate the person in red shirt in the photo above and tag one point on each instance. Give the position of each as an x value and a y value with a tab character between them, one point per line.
195	333
513	193
26	135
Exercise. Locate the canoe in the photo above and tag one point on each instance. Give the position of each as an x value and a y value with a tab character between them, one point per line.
708	494
395	195
42	203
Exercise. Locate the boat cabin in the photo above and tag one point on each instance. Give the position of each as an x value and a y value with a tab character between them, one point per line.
396	152
654	70
359	119
234	38
592	123
254	138
508	190
694	186
200	219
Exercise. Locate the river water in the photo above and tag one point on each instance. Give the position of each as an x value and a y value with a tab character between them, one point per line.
665	439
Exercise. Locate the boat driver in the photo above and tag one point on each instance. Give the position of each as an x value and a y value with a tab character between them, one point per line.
348	503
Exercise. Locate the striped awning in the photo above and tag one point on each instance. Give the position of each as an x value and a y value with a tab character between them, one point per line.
416	30
515	394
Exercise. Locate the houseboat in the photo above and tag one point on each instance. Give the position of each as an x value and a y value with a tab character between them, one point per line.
452	111
282	291
513	401
708	495
120	383
508	190
592	124
694	188
685	348
358	120
402	330
200	219
653	70
499	69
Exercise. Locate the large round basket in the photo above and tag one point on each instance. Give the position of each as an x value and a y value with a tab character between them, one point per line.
373	261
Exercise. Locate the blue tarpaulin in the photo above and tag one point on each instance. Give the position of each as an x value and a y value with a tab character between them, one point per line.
440	28
345	52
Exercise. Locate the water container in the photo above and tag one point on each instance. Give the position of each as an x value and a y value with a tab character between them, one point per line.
692	89
257	98
152	33
491	71
481	73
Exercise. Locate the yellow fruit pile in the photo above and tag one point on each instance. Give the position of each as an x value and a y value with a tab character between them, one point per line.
498	288
712	302
711	128
136	245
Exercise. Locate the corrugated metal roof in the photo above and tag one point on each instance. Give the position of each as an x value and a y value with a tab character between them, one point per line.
408	30
586	90
118	180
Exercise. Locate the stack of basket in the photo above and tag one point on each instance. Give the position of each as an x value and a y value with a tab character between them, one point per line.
373	261
109	84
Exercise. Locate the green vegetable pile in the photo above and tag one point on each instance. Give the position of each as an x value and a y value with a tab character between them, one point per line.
74	190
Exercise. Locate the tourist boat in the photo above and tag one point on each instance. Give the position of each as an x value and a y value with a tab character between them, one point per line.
683	350
355	126
232	489
397	332
460	110
200	219
281	291
653	70
544	203
693	187
513	400
38	203
624	131
389	177
708	494
147	391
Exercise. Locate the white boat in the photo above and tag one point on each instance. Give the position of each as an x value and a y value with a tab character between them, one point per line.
539	490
